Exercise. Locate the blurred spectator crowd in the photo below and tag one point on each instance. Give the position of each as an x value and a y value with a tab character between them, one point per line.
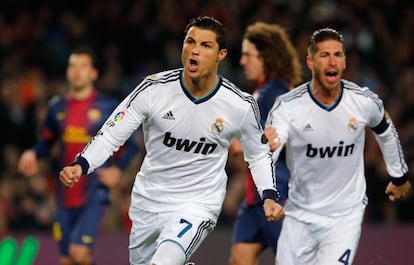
133	38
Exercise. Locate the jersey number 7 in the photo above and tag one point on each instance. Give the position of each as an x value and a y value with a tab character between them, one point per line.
186	228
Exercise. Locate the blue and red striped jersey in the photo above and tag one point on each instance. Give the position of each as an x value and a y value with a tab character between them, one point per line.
71	123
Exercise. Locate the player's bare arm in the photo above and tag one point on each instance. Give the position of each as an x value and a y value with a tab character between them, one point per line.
273	211
271	137
69	175
395	192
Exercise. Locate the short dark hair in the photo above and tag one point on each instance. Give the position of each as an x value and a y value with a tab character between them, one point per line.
323	35
87	50
210	23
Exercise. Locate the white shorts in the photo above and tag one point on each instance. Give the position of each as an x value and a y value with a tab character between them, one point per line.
186	228
327	241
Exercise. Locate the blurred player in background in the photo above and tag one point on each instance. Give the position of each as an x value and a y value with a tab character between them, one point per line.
70	122
189	117
269	59
323	124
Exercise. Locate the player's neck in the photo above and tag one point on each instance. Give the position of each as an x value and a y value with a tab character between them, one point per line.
201	87
327	96
81	93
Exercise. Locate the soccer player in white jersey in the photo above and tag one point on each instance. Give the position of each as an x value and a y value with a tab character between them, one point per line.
322	123
189	117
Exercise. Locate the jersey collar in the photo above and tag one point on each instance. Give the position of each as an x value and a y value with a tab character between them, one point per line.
206	97
323	106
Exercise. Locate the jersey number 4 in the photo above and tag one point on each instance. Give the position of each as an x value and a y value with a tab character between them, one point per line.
345	257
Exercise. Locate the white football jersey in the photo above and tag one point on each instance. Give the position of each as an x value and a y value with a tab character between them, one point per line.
325	147
186	140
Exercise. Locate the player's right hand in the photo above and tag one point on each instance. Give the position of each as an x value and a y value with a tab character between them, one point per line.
272	138
69	175
27	164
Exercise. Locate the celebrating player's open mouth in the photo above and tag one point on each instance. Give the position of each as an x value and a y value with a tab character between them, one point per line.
193	65
331	76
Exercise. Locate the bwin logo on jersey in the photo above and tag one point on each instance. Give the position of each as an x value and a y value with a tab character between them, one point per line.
330	151
187	145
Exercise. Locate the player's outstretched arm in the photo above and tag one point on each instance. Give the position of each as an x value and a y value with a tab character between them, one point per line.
70	174
273	211
395	192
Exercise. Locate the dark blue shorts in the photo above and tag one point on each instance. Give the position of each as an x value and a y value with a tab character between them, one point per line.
78	225
251	226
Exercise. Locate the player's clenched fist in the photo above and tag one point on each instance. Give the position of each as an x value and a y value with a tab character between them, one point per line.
273	211
69	175
272	138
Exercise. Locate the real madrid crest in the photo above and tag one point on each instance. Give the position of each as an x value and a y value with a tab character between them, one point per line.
218	126
352	124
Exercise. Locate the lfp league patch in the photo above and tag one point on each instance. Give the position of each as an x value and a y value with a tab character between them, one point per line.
116	118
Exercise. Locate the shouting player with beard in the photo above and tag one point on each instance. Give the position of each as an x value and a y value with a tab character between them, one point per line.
323	124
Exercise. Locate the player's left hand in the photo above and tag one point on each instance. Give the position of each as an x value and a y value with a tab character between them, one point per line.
273	211
398	192
109	176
